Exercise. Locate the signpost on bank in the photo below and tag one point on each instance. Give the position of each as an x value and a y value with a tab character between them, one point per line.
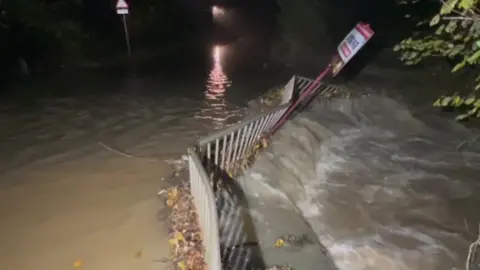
349	46
122	10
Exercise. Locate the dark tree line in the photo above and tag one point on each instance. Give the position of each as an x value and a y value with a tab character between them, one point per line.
44	34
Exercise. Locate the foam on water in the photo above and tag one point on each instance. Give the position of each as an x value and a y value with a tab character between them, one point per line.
380	187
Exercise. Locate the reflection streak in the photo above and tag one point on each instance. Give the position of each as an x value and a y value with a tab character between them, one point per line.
217	85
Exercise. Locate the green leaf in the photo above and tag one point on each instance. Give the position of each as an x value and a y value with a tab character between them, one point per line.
456	50
435	20
440	29
477	103
462	117
466	4
448	6
470	101
473	58
457	101
459	66
472	111
446	101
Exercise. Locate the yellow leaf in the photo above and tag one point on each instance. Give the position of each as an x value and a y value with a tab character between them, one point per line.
173	193
78	263
172	241
279	243
169	203
181	265
179	236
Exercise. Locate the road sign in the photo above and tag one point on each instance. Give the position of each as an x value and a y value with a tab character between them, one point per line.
350	45
122	7
122	10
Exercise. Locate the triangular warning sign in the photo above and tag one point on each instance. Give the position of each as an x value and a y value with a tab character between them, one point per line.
121	4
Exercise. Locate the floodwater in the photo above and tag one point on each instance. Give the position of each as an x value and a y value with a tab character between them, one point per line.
83	155
381	185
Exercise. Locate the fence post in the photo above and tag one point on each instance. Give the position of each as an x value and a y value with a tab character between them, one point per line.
288	90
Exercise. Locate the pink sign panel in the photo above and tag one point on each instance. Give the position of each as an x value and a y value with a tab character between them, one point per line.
350	45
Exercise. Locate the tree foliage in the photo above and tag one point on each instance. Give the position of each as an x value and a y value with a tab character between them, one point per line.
32	29
46	34
454	32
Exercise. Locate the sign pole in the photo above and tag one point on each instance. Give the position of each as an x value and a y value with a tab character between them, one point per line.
122	9
127	37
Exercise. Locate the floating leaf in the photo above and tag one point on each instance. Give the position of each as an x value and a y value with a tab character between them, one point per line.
78	263
173	193
279	243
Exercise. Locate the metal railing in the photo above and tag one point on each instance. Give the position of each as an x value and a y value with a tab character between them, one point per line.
220	213
215	159
204	201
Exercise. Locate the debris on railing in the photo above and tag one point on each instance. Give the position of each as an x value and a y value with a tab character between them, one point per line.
272	97
250	156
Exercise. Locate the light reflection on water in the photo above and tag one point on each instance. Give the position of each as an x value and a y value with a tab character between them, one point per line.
216	108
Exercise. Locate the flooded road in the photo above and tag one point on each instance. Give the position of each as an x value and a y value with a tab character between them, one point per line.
83	155
66	194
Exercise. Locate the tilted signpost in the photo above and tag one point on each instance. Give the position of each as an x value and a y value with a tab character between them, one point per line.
349	46
122	10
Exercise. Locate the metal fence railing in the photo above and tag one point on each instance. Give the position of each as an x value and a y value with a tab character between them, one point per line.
214	161
219	208
204	201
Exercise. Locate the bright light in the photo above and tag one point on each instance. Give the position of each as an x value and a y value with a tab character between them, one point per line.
217	11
